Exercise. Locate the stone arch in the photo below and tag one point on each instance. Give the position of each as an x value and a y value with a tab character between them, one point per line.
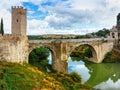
94	53
48	47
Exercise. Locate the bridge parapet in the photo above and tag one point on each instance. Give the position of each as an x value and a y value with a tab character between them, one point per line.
70	40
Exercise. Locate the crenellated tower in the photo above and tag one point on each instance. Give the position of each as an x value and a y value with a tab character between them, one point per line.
19	22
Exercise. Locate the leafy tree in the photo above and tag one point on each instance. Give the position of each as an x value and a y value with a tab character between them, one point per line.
38	58
102	33
88	52
39	54
75	76
2	27
33	57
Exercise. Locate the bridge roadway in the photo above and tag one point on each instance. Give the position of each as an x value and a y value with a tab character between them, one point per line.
70	40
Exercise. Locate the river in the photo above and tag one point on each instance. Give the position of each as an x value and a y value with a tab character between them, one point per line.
104	76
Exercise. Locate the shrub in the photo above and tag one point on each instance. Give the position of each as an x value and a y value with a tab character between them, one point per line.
75	76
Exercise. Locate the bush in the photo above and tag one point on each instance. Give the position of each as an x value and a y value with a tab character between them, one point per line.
3	85
38	54
75	77
38	57
88	52
112	57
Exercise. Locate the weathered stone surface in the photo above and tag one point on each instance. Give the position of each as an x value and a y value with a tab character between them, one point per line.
14	49
61	50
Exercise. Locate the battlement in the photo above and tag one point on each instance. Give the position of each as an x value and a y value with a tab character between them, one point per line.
18	7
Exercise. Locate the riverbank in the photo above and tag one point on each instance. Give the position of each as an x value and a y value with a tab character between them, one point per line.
26	77
112	57
84	51
81	52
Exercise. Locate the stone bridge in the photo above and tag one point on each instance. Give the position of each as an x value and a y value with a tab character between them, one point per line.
62	48
17	49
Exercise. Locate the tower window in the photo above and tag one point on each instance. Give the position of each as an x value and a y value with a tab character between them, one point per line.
17	20
113	35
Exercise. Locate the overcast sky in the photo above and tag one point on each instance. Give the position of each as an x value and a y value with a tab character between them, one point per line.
63	16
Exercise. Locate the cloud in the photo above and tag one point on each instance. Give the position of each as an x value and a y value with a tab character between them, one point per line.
79	67
81	13
109	85
64	16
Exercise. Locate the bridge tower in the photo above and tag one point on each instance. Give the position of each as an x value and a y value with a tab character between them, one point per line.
19	21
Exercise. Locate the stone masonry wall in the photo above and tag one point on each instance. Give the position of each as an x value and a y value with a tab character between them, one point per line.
14	48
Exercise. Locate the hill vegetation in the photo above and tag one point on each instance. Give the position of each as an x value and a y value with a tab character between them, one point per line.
101	33
112	57
34	76
82	52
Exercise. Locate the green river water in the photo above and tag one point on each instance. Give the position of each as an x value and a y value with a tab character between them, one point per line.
103	76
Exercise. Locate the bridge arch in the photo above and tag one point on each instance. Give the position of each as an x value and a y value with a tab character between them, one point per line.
93	50
53	54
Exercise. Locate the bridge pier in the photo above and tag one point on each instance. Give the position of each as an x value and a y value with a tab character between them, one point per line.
60	66
61	49
59	60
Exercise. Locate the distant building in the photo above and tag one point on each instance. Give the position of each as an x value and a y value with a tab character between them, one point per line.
114	33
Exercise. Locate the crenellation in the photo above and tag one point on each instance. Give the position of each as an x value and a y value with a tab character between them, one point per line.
17	7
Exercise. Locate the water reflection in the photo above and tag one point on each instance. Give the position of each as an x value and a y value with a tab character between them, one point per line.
109	85
78	66
105	76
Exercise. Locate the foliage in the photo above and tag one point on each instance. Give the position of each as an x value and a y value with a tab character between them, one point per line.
33	57
34	37
75	76
112	56
79	36
38	57
88	53
38	54
71	81
81	52
2	27
26	77
107	56
102	33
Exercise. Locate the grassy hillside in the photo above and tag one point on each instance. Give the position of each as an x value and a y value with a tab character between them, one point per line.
26	77
112	56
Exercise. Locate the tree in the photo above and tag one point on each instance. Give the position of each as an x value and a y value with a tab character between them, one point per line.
38	57
2	27
88	52
39	54
102	33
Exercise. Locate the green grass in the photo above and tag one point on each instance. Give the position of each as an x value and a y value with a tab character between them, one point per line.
26	77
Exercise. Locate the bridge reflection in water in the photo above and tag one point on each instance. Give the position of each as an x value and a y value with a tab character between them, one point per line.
105	76
62	48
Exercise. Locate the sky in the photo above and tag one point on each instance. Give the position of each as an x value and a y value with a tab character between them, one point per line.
63	16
